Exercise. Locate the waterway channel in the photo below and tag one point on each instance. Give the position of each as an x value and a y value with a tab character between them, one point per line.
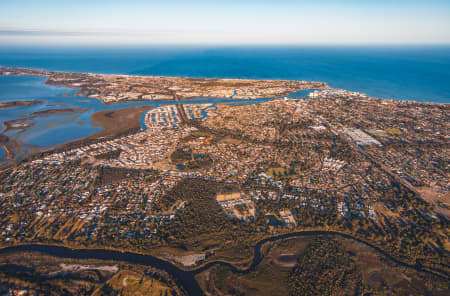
47	130
186	278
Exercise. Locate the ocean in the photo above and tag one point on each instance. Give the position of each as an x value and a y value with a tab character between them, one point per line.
415	73
420	73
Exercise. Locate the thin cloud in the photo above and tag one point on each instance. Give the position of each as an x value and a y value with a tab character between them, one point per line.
32	33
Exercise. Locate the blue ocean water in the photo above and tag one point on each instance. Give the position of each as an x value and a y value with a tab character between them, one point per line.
420	73
404	73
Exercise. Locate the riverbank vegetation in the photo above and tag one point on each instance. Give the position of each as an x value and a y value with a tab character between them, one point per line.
48	275
321	265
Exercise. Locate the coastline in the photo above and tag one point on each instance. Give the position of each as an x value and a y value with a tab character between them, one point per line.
112	88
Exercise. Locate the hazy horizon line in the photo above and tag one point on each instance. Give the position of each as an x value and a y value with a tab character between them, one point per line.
218	45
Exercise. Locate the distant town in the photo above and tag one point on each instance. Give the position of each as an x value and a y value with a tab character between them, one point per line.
119	88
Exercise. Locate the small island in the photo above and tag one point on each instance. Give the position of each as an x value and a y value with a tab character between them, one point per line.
59	110
13	104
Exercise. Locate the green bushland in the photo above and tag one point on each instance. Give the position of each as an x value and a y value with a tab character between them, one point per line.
114	154
325	268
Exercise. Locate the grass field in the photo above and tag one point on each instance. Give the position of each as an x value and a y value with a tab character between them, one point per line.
393	131
199	134
276	172
129	283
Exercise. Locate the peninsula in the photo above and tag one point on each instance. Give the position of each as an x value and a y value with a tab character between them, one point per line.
121	88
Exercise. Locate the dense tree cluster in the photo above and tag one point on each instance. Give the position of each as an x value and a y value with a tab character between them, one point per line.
325	268
109	155
109	175
202	219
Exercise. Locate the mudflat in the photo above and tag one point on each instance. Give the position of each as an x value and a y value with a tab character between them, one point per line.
13	104
117	121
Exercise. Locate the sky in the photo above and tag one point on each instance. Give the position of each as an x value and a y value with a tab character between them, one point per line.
202	22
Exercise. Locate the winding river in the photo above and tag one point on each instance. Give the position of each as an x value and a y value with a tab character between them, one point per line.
186	278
